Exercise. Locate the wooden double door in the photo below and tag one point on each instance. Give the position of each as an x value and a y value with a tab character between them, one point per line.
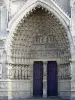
52	87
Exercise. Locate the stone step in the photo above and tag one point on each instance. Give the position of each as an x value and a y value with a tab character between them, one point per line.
33	98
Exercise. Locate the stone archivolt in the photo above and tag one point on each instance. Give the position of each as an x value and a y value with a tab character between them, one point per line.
40	35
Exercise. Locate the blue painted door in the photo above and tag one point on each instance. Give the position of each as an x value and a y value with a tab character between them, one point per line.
52	89
38	78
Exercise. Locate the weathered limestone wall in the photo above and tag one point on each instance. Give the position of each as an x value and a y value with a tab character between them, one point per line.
65	89
3	88
15	88
65	4
3	69
4	20
64	79
73	19
15	6
1	2
72	4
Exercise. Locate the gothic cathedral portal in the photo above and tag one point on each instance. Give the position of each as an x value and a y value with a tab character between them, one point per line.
40	55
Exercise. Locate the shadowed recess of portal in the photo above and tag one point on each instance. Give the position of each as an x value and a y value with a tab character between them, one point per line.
52	78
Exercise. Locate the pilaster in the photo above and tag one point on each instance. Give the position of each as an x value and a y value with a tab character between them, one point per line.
72	80
44	78
9	81
72	4
72	62
31	79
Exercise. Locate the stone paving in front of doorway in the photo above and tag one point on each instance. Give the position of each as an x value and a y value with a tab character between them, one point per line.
51	98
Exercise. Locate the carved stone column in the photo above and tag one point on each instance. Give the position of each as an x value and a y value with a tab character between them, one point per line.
23	72
9	71
44	78
16	71
9	81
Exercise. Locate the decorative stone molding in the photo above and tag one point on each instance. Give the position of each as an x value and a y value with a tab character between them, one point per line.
19	71
64	71
41	2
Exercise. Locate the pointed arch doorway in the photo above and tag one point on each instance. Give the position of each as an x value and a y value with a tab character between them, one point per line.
52	79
